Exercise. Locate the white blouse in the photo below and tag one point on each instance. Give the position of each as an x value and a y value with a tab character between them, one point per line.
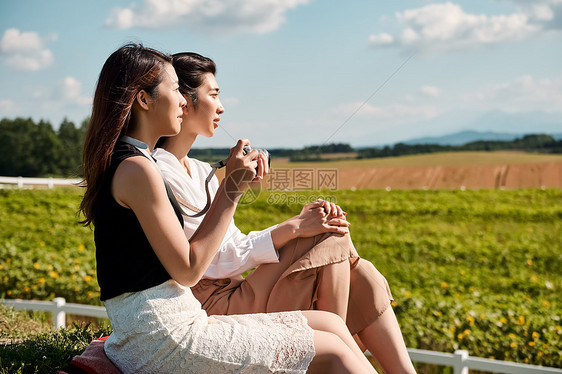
238	252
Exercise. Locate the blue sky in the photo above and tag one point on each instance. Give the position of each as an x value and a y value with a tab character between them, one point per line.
301	72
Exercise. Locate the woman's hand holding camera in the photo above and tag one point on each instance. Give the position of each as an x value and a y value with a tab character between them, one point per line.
244	167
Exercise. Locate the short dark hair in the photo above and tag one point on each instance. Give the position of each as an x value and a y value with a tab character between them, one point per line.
190	68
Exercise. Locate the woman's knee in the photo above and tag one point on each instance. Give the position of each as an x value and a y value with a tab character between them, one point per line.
332	354
324	321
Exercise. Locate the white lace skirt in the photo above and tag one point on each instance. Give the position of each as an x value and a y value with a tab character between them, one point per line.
164	330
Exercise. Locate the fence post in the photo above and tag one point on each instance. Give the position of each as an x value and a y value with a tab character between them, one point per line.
59	316
50	183
20	182
460	366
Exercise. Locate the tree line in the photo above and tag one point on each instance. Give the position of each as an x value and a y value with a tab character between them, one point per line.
530	143
33	149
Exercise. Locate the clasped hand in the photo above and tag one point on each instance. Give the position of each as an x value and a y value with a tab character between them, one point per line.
320	217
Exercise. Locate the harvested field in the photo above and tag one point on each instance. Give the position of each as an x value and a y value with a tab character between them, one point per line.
470	170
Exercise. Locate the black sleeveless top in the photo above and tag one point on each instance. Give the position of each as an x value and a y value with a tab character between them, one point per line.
125	260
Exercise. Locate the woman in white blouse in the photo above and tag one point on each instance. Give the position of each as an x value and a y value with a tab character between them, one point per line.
306	262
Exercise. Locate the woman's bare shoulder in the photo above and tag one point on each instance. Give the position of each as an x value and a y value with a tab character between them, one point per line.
136	179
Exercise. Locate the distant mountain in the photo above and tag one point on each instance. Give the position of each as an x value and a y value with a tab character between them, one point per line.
535	122
463	137
494	125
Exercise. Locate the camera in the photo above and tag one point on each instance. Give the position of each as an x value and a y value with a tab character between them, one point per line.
247	149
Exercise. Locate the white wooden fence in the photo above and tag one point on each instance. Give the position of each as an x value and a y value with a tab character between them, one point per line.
21	182
460	360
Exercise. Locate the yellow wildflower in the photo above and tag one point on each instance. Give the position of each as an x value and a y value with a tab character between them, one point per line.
534	279
26	289
53	274
407	294
470	320
87	278
42	244
535	335
444	285
76	267
452	329
513	345
36	265
81	247
520	320
530	262
532	344
41	280
462	271
503	320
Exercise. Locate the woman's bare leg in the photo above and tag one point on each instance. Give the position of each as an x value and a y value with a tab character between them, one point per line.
332	356
331	323
384	340
333	289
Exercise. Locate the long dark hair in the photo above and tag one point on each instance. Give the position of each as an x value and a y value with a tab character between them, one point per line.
126	72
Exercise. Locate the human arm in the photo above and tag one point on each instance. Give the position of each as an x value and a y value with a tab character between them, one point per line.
138	185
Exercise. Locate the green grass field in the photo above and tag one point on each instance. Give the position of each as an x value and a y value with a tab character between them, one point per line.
475	270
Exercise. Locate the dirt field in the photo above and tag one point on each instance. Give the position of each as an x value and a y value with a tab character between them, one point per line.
470	170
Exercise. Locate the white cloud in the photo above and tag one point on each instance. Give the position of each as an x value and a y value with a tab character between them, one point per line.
381	39
25	51
522	94
430	90
443	27
72	92
215	16
540	10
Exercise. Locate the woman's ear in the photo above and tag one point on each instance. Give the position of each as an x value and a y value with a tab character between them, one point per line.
143	99
188	107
